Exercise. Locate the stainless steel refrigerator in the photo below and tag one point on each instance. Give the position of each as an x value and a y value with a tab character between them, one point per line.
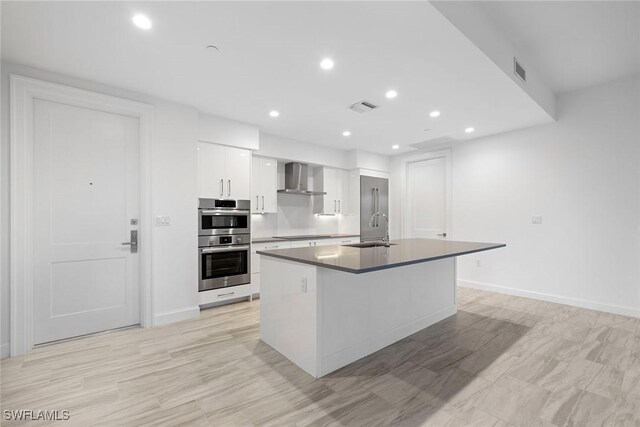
374	197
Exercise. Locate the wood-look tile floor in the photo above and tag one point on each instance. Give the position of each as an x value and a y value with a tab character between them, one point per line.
500	361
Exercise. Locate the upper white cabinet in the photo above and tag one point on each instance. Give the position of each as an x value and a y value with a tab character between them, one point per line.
264	191
335	183
223	172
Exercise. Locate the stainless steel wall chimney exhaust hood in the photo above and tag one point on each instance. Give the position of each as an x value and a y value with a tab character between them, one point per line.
296	177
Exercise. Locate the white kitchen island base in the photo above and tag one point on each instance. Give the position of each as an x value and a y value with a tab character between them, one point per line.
323	319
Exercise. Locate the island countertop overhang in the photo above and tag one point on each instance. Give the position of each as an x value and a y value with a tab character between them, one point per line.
364	260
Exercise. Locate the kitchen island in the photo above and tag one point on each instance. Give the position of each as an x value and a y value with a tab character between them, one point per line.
325	307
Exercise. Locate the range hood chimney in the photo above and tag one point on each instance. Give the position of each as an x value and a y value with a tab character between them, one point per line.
296	177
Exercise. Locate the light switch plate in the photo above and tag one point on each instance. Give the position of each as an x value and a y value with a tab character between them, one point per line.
163	221
536	219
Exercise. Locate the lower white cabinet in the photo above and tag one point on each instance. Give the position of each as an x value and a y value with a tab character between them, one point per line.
286	244
255	261
223	294
324	242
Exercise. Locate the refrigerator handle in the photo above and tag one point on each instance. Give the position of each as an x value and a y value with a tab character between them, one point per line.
373	201
378	206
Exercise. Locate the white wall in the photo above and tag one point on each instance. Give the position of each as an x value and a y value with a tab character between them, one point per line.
289	149
470	19
174	271
220	130
582	174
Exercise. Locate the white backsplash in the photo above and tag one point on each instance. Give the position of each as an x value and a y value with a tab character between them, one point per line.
295	216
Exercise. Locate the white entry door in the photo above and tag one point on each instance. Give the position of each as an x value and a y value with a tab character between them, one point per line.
86	203
426	199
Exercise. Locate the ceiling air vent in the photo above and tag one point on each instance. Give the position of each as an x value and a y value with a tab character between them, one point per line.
362	107
519	70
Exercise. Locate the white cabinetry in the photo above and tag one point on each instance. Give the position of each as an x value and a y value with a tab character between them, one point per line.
255	261
264	191
286	244
223	172
334	182
324	242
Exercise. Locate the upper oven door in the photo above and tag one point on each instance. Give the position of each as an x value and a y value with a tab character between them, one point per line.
215	222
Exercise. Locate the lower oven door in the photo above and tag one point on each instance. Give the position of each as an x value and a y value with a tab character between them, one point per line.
224	266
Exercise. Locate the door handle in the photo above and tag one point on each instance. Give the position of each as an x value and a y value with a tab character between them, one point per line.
221	187
262	202
442	235
229	193
133	243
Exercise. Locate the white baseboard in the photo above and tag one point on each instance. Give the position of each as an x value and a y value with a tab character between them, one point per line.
576	302
176	315
4	350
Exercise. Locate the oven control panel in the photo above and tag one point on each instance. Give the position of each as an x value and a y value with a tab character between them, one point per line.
237	239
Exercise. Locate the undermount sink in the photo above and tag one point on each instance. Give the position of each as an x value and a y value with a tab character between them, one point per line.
370	245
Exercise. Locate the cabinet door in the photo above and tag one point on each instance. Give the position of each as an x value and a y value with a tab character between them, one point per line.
211	170
342	191
268	185
331	198
238	177
256	179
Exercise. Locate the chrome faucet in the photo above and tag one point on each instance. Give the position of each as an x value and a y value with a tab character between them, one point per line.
371	220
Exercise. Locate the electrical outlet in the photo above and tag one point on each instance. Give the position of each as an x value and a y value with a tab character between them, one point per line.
478	263
163	221
303	284
536	219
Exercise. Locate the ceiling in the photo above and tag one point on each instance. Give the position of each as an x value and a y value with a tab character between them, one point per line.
268	58
572	44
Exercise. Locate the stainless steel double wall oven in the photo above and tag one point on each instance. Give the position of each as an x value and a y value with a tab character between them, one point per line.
224	243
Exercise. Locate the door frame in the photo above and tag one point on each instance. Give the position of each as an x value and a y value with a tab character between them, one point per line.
23	92
446	155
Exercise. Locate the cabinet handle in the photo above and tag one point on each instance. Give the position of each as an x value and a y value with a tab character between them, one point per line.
310	243
229	188
335	209
225	295
257	205
339	207
262	202
221	187
315	243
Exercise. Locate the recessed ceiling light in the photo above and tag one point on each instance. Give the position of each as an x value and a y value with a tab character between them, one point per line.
346	133
395	147
434	113
141	21
326	64
391	94
274	113
469	130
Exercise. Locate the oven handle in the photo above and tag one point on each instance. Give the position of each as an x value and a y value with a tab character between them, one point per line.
224	212
224	249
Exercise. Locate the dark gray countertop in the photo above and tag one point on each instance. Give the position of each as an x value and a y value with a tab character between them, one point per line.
363	260
300	237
